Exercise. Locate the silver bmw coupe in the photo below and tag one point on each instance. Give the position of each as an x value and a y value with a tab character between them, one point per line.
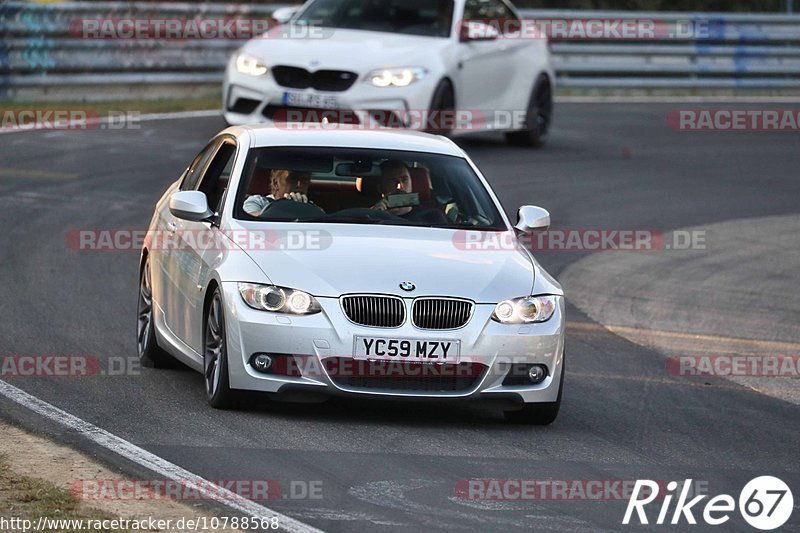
372	264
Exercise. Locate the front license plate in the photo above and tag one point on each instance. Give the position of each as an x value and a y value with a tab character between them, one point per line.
409	350
321	101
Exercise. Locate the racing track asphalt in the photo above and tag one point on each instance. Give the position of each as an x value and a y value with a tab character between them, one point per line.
387	466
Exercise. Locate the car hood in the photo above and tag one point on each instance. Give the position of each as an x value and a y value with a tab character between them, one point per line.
376	259
354	50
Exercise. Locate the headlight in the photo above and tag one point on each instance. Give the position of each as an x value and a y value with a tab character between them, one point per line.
397	77
278	299
526	310
247	64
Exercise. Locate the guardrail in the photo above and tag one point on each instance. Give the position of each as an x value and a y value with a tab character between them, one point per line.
41	56
715	51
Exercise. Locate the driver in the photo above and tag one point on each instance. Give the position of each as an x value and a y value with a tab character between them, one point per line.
285	184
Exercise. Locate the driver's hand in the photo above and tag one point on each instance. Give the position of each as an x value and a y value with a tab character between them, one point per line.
297	197
381	205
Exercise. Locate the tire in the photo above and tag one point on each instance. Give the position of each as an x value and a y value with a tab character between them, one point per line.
538	117
539	414
442	110
215	356
150	354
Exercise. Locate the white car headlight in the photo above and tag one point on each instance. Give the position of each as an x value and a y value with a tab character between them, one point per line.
396	77
278	299
252	66
526	310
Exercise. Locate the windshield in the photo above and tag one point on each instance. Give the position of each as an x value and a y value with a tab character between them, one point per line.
412	17
364	186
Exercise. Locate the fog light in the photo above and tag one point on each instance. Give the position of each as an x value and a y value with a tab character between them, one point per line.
262	362
537	373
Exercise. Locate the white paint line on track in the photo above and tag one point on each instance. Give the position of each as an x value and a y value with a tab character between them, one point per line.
206	113
150	461
716	343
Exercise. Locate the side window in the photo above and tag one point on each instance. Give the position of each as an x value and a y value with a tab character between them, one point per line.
215	180
472	9
501	11
489	10
195	169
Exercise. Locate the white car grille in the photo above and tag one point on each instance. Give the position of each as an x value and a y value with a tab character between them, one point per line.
375	311
441	313
390	312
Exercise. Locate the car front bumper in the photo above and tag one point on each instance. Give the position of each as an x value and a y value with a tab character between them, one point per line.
408	103
488	346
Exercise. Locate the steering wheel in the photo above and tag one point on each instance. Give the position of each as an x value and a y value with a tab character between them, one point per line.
286	208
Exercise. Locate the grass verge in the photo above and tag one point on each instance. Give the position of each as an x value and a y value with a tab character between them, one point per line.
29	498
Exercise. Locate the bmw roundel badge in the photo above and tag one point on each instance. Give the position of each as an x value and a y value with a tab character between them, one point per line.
407	286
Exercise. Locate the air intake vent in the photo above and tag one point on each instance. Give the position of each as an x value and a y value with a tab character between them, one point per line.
321	80
441	313
375	311
412	378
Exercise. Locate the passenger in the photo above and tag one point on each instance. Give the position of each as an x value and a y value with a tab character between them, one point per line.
285	184
395	179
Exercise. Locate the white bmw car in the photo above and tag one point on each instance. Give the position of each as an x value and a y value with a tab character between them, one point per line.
446	66
374	264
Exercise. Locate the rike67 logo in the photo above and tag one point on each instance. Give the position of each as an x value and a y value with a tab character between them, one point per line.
765	503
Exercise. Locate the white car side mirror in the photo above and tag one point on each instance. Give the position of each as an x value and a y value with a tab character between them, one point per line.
282	15
190	205
531	218
475	30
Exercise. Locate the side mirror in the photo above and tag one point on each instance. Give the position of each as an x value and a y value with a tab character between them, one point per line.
282	15
531	218
190	205
475	30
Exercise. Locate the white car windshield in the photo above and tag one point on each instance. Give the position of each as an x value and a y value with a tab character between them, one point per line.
412	17
364	186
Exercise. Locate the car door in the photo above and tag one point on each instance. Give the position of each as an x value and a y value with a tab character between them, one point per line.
189	245
487	66
202	246
164	263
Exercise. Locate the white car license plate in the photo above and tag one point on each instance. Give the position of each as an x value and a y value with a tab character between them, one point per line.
408	350
321	101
